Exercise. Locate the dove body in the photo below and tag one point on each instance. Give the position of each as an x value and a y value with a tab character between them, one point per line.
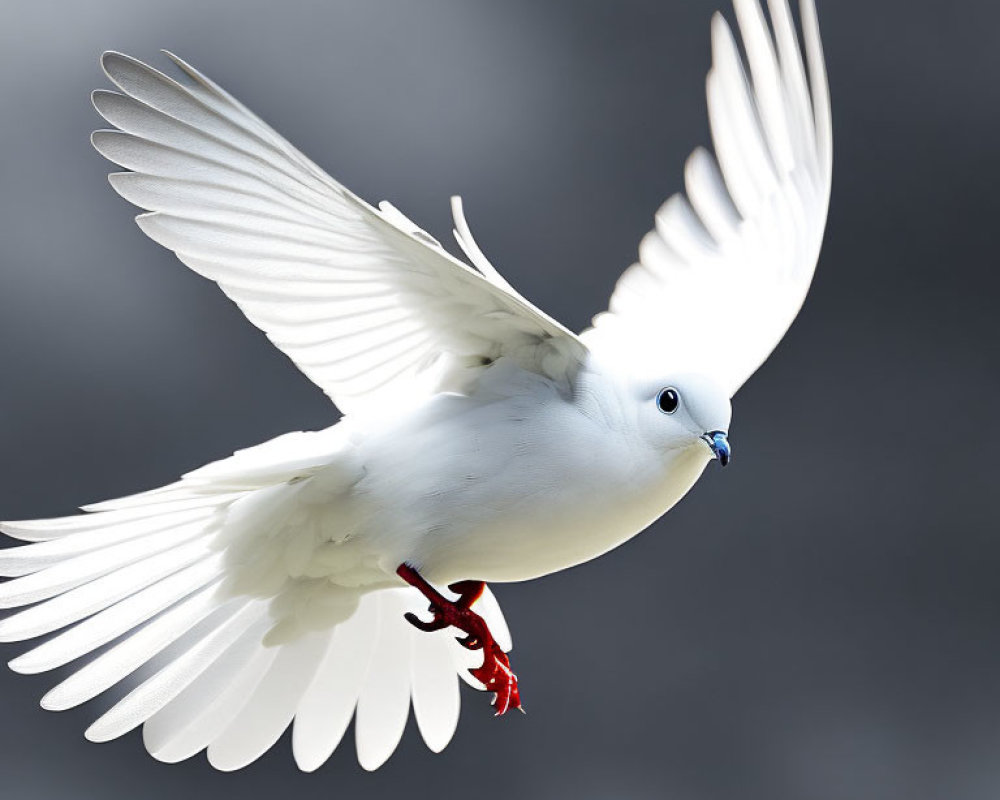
521	478
481	439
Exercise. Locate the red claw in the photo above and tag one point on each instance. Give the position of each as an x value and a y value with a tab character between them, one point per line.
497	676
495	673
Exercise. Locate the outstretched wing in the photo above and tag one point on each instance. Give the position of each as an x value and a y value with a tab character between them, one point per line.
363	301
727	267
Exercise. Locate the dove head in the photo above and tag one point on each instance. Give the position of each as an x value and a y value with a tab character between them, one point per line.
677	412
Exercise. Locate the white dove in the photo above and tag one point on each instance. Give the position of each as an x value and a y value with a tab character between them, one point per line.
280	584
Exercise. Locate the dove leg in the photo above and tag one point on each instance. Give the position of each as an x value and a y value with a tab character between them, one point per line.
495	673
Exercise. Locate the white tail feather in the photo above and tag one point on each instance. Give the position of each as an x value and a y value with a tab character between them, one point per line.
329	702
260	724
434	687
195	718
194	579
384	702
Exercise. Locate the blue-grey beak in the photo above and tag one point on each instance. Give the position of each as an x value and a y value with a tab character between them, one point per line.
720	446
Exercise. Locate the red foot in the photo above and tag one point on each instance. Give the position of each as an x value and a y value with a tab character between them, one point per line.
495	673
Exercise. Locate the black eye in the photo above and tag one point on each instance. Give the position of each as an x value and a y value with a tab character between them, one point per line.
668	400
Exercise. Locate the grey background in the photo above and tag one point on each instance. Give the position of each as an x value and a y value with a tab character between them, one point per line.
819	621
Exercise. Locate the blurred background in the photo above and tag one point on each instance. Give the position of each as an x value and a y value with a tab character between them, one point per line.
819	622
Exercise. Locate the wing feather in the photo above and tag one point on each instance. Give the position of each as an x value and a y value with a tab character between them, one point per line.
128	655
95	596
299	253
727	267
155	693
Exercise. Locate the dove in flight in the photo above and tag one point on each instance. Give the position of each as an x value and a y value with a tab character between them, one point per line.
481	440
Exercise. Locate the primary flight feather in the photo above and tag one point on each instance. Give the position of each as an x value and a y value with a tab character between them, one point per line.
288	584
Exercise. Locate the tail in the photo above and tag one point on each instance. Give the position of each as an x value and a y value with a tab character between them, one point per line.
143	586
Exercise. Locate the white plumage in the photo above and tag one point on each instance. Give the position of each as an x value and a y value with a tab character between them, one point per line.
261	591
748	231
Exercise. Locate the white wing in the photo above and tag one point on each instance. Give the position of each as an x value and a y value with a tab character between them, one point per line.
139	593
363	302
725	271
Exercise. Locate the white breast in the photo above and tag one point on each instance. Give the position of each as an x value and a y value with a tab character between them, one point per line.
511	488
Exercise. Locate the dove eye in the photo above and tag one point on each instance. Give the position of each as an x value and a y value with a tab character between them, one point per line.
668	400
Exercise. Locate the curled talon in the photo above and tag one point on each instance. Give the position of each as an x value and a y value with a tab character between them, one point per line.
468	591
494	673
433	625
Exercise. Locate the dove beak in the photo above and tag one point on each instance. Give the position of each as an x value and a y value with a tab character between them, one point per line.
719	444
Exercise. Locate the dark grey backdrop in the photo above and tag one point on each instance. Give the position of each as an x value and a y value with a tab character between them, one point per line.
820	621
